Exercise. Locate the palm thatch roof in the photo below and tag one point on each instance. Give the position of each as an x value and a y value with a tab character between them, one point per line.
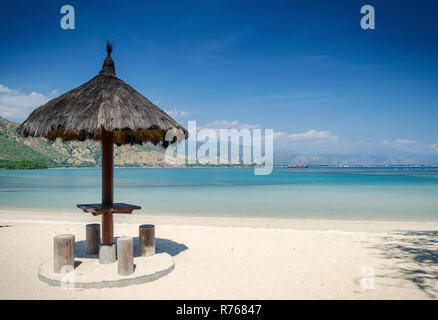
103	103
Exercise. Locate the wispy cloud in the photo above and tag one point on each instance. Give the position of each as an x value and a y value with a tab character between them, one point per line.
234	124
294	96
405	141
411	146
313	135
281	137
212	50
223	42
433	147
16	105
178	114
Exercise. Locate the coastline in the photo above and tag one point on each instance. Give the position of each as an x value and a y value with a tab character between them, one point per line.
299	223
372	166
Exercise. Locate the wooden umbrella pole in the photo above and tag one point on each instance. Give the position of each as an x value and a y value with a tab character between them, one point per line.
107	186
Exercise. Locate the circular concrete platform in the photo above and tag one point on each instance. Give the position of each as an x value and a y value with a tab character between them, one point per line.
89	273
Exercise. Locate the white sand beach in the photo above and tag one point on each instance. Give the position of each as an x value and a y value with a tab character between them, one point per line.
238	258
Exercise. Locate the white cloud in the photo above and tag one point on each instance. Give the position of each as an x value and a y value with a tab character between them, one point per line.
313	135
177	113
433	147
279	134
405	141
16	105
234	124
280	137
411	146
4	89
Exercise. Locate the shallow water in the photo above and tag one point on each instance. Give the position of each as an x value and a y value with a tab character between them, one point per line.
384	193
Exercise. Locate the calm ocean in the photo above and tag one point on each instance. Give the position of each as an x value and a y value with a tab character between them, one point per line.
385	193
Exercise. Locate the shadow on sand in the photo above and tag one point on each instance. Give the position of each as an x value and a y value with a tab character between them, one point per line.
161	245
416	255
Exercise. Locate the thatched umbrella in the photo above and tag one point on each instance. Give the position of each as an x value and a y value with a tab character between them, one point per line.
104	109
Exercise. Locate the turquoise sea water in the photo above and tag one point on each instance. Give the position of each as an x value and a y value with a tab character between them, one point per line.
385	193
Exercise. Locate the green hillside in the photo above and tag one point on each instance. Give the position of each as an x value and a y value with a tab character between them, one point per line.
19	152
13	150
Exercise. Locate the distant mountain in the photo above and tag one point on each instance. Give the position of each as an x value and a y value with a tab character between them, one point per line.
293	158
87	153
15	148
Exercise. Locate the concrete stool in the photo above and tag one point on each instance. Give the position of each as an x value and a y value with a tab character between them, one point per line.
147	239
107	253
125	256
63	253
93	238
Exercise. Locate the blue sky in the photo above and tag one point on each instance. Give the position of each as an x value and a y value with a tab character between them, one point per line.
303	68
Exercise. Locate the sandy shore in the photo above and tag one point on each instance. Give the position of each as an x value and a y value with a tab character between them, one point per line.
239	258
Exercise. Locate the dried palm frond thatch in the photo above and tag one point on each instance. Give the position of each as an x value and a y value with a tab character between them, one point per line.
103	103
